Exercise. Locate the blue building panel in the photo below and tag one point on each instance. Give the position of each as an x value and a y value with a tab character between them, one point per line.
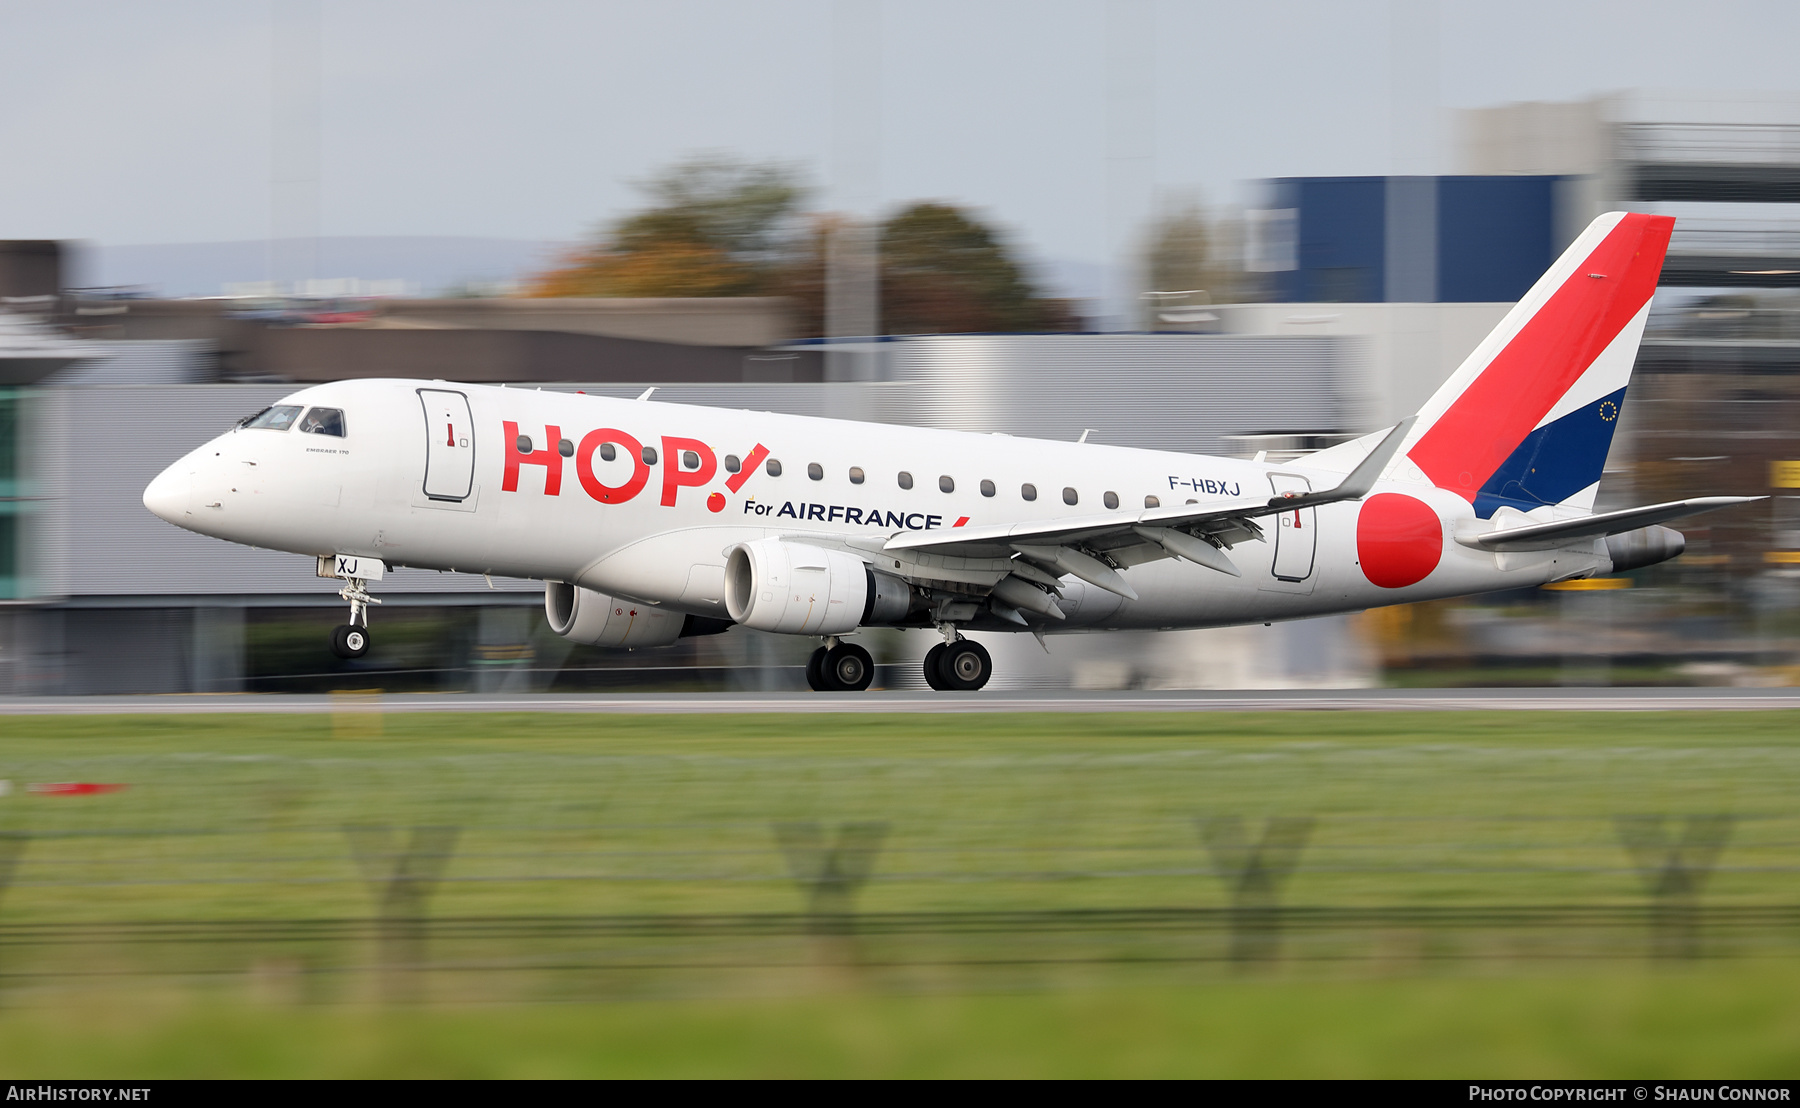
1342	231
1496	236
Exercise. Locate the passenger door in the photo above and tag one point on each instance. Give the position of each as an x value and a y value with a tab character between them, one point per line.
449	445
1296	539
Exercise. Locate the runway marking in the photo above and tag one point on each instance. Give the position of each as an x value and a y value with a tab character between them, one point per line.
1483	700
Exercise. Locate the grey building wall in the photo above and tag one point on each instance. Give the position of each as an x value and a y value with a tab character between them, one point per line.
99	447
1160	391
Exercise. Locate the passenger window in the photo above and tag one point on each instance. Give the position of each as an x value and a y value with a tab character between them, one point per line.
856	475
690	460
278	418
1111	499
1070	496
815	471
649	455
905	479
772	468
522	444
324	421
732	463
987	487
566	448
1152	502
608	452
946	484
1029	492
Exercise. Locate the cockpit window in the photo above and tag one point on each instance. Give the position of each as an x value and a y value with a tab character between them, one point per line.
278	418
324	421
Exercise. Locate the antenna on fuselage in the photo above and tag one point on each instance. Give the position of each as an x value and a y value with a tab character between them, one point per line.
1085	432
645	395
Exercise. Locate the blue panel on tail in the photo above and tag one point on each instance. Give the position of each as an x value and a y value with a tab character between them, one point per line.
1556	461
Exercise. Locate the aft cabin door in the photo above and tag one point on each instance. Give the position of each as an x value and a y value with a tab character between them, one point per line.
449	445
1296	539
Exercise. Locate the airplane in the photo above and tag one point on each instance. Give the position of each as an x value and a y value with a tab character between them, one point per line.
650	521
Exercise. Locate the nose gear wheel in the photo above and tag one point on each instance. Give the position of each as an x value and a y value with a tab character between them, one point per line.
350	641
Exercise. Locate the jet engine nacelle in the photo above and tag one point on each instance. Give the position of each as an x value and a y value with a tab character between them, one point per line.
797	589
1645	546
595	619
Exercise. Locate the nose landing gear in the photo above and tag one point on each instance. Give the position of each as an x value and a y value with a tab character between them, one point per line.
351	640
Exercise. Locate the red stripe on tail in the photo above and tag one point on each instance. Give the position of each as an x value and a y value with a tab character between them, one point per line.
1548	355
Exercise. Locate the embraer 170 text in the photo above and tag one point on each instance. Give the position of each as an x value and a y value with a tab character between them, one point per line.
651	521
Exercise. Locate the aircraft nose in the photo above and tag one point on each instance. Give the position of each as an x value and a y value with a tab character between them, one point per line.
169	494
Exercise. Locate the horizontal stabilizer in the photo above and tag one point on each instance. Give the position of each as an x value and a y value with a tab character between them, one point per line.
1543	536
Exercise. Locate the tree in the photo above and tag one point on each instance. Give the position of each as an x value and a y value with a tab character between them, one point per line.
721	227
716	227
1184	254
944	272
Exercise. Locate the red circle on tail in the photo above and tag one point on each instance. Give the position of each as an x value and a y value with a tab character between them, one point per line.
1399	540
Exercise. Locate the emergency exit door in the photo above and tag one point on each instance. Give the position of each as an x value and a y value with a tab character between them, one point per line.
1296	539
449	445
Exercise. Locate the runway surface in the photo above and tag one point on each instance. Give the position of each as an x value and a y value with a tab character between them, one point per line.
1338	700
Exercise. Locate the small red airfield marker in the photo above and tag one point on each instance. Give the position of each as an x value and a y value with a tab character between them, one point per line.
72	788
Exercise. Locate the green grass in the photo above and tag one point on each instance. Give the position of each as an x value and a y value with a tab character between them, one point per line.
1049	830
1740	1022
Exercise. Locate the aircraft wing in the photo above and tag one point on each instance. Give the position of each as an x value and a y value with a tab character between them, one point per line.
1229	522
965	540
1541	536
1094	547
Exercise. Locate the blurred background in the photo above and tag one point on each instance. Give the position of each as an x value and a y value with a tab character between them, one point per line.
1185	227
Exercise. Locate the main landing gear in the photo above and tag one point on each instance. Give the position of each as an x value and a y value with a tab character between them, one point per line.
351	640
840	667
954	665
957	664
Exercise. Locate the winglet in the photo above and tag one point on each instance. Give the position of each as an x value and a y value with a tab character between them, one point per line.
1361	479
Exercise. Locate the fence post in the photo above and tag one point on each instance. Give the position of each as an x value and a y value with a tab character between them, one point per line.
12	845
1674	873
403	881
1254	875
830	875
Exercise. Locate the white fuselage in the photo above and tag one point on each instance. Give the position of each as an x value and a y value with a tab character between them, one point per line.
365	493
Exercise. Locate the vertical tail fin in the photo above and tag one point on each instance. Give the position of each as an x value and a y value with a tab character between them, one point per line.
1527	419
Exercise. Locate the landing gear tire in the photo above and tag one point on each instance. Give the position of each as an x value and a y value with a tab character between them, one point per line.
934	674
849	668
965	666
845	667
350	641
